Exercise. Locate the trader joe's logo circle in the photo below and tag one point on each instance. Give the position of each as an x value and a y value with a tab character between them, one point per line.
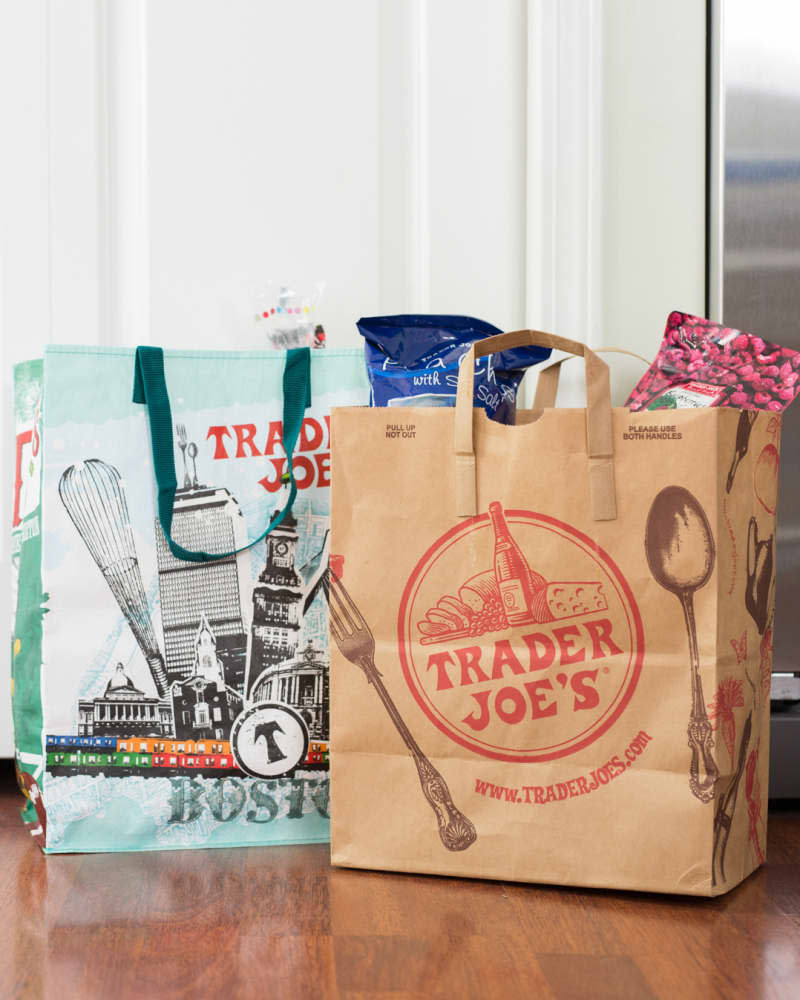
519	637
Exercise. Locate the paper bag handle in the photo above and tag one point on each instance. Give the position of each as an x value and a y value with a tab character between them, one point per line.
548	378
599	428
150	388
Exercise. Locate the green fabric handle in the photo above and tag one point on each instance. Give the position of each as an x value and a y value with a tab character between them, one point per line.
150	388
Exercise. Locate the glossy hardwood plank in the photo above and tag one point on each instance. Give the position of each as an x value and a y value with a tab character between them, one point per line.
603	977
280	922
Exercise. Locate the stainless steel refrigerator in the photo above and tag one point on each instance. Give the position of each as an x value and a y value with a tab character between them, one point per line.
754	274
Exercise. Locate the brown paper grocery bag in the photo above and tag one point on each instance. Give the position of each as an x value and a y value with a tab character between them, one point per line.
552	641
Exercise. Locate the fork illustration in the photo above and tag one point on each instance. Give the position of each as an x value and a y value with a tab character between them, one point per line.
181	429
357	644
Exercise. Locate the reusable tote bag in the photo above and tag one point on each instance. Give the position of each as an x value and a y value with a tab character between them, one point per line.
552	641
170	659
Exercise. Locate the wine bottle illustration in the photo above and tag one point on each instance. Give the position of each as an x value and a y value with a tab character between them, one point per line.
511	570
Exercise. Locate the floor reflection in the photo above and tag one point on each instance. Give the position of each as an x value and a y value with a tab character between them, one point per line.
280	921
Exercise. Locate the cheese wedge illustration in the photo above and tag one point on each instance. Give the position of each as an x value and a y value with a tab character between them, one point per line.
565	600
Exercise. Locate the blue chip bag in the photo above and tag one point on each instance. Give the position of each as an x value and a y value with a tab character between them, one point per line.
413	361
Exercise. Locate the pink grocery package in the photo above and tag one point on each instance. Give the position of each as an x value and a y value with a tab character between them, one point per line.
701	363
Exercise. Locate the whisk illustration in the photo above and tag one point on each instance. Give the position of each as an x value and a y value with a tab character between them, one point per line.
94	497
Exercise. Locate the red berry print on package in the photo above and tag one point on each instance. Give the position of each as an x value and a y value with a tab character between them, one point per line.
701	363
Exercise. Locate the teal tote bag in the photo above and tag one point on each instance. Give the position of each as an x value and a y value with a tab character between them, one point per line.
170	551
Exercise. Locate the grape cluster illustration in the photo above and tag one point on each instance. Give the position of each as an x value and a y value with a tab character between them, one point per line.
491	618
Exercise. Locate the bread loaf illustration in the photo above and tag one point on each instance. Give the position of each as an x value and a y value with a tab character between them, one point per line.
478	608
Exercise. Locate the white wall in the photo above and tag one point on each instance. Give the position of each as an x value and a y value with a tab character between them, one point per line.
534	163
350	142
653	236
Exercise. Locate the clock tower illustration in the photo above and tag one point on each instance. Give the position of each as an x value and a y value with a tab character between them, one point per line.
277	604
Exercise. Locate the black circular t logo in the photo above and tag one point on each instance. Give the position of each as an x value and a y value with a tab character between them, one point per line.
269	740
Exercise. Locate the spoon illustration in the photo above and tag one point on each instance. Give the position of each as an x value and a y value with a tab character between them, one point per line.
680	552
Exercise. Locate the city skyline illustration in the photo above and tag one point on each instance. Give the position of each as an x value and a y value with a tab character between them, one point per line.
180	594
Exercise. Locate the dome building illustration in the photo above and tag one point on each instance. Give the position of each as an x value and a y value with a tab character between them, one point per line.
302	683
124	710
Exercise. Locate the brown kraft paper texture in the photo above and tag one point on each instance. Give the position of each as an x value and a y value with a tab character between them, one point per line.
538	691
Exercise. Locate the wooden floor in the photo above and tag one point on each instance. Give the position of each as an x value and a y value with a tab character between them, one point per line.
279	922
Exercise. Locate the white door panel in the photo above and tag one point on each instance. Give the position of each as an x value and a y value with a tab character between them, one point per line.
512	159
262	162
